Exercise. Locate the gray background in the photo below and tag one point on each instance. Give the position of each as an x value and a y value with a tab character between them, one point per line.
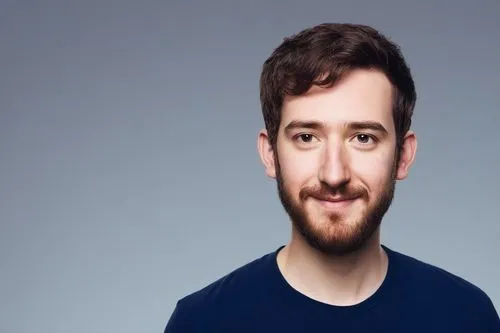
129	175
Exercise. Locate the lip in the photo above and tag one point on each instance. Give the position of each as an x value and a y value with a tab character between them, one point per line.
336	203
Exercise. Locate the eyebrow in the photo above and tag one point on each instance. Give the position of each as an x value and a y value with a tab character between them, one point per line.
371	125
295	124
354	126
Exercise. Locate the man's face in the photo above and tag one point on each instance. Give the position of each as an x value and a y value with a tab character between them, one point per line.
335	161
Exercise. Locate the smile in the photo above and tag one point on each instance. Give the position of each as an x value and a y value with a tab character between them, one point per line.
336	203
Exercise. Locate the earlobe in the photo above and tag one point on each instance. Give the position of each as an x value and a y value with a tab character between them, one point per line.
266	153
407	155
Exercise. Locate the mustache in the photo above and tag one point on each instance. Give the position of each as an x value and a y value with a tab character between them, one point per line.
325	192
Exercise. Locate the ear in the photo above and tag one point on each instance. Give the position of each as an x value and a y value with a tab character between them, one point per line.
407	155
266	153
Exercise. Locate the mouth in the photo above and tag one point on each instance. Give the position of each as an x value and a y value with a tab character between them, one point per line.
336	203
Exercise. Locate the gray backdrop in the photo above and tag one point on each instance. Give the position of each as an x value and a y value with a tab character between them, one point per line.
129	175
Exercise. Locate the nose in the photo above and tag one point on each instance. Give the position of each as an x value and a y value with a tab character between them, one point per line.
334	168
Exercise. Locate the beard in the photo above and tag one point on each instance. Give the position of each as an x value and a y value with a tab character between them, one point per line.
339	236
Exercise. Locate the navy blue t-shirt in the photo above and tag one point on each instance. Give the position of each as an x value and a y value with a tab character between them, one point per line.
414	297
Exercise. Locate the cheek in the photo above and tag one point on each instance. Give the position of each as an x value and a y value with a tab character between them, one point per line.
297	169
373	168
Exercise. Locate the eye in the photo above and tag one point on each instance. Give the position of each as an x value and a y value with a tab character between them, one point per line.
306	137
364	138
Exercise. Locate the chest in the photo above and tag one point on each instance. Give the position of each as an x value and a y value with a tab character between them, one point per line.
374	321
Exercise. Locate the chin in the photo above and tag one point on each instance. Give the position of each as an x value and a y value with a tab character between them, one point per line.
336	235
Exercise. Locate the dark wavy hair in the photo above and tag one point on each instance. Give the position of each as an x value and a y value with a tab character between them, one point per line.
320	56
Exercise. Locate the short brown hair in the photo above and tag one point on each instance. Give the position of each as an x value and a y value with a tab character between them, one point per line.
321	55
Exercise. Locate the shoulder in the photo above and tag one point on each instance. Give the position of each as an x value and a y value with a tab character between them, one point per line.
223	295
440	287
431	276
242	280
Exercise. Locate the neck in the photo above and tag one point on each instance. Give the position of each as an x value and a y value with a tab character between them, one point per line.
336	280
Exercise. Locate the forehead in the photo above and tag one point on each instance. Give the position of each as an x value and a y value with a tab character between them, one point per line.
361	95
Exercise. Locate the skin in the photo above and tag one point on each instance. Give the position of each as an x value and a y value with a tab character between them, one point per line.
335	164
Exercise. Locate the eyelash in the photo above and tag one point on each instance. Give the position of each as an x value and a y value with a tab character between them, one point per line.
297	137
368	135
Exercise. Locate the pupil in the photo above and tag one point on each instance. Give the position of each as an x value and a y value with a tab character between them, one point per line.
363	138
306	137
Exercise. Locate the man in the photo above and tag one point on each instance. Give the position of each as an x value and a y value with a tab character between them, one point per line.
337	101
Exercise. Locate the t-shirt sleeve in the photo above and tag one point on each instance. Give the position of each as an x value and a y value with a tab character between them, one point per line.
178	321
493	318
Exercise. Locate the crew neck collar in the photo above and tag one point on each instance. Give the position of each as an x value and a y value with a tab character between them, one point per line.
369	302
